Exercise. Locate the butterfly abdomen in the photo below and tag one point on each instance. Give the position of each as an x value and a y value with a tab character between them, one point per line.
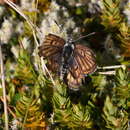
63	71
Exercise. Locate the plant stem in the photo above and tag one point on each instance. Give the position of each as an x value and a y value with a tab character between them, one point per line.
112	67
108	73
4	90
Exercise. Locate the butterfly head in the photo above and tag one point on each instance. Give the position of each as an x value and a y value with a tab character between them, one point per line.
69	40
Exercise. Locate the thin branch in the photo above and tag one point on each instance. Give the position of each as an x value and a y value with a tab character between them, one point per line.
4	90
44	68
112	67
107	73
10	111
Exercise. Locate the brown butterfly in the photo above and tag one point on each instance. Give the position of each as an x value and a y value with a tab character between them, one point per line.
71	61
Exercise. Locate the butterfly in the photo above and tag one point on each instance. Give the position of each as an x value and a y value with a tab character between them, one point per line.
71	61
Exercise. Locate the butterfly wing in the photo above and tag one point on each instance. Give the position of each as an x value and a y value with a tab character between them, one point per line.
54	63
53	44
51	50
85	60
83	63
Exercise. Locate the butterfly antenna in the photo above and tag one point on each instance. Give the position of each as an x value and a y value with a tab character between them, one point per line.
59	25
84	36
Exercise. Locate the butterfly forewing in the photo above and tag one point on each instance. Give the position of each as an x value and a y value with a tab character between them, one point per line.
85	59
83	63
52	45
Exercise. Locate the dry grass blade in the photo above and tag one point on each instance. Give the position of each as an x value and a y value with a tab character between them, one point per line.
4	90
112	67
108	73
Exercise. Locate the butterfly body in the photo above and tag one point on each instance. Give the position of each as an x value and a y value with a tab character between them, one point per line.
71	60
67	56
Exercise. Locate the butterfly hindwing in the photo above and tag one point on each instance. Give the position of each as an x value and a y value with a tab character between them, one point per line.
72	82
54	63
